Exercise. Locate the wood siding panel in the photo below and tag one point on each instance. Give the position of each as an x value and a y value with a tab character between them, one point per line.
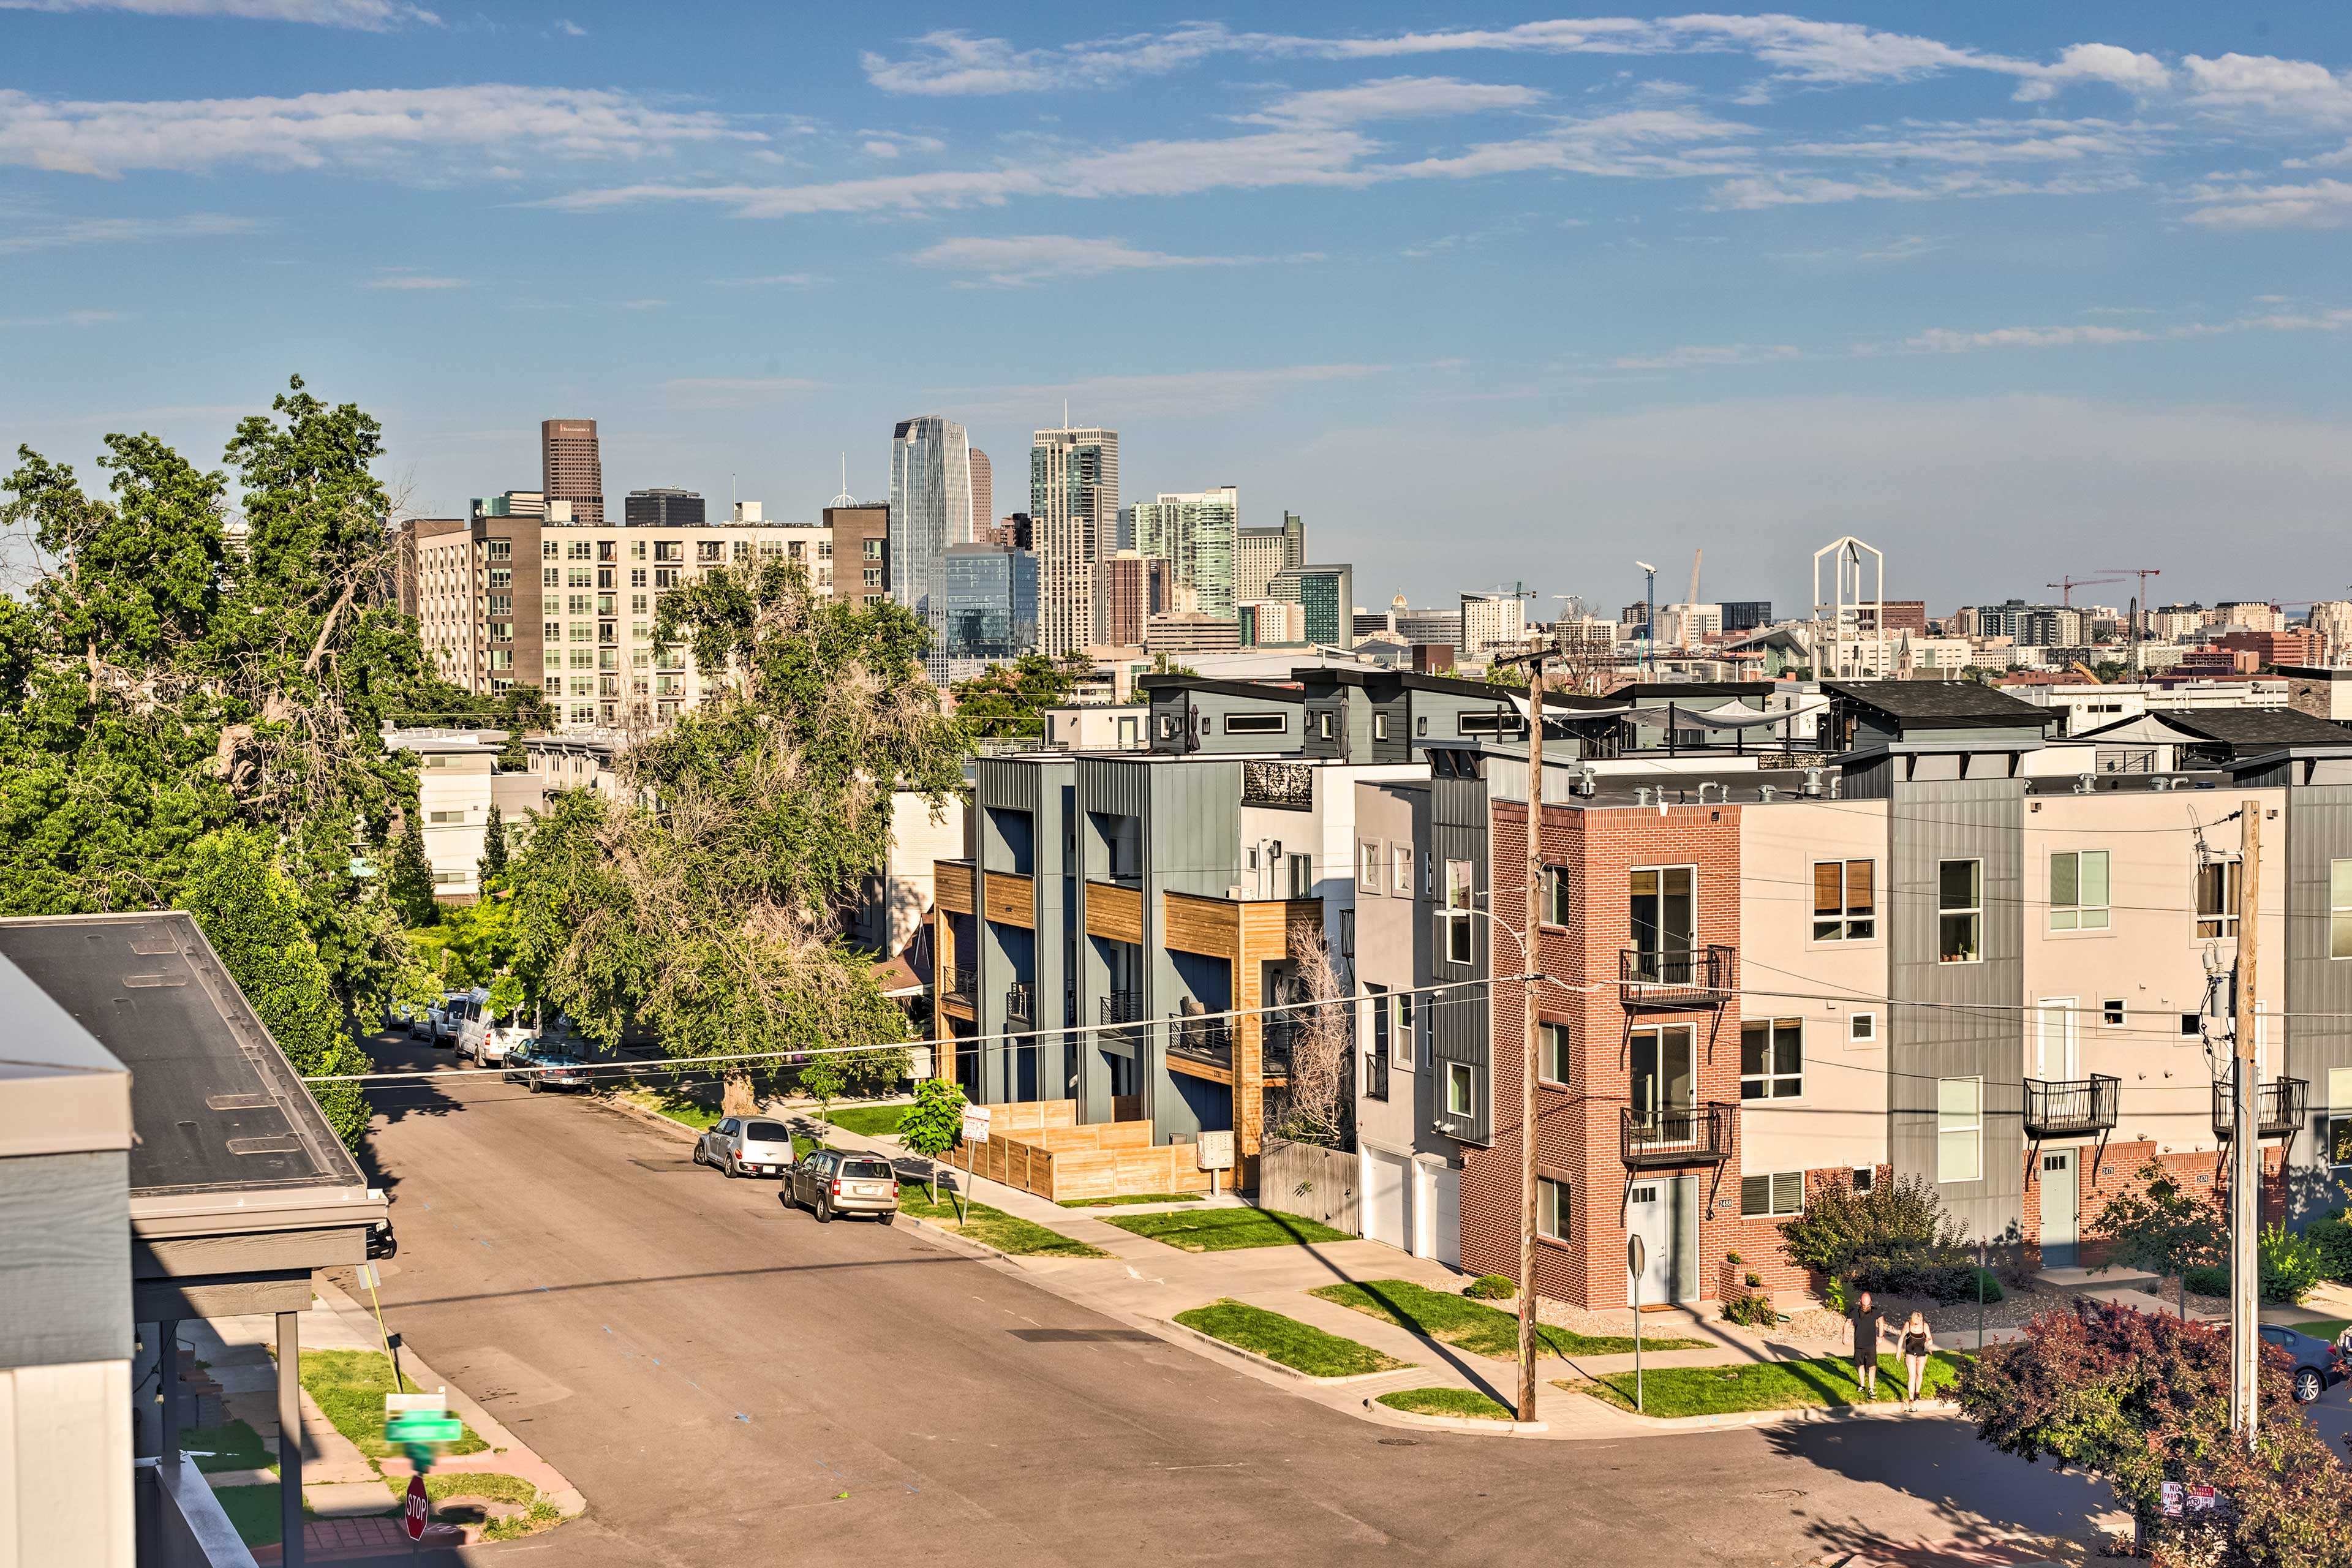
1009	898
952	885
1210	927
1113	912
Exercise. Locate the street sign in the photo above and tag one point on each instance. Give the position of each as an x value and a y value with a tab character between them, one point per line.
1635	1259
415	1404
414	1508
2171	1494
976	1119
421	1428
1216	1151
368	1279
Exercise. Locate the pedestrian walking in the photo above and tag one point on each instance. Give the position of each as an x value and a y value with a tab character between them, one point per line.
1867	1327
1918	1344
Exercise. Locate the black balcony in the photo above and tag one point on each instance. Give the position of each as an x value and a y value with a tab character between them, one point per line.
1274	1045
2281	1108
1208	1041
2071	1107
1122	1007
963	984
1675	980
1020	1003
1676	1136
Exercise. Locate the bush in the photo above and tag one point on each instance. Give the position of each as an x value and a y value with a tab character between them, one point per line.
1753	1281
1491	1288
2290	1265
1734	1259
1837	1297
1755	1312
1891	1238
2332	1238
2208	1281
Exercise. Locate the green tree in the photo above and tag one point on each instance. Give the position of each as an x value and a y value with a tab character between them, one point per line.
933	1124
409	881
253	915
704	901
2164	1226
1007	701
1895	1238
492	865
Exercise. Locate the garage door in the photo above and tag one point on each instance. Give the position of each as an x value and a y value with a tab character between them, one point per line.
1384	1197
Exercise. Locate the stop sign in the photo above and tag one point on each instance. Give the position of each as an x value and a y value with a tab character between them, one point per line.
416	1508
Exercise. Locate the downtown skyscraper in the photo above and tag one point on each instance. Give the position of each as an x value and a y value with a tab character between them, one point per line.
930	510
1073	510
1195	534
571	469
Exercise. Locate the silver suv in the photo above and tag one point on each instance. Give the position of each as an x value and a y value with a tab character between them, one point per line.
843	1182
746	1146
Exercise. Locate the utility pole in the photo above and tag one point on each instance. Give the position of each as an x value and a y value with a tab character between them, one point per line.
2245	1148
1534	964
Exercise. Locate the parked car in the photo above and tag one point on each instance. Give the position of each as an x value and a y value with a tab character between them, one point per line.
484	1038
444	1018
746	1146
381	1242
542	1069
401	1017
843	1182
2314	1362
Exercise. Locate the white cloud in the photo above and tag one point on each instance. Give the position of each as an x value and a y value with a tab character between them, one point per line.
1904	247
420	281
368	16
1943	341
954	64
1637	143
2264	88
775	281
1027	258
721	392
1394	98
880	149
1696	356
1181	395
36	235
570	28
1756	193
1987	142
2322	204
373	127
68	319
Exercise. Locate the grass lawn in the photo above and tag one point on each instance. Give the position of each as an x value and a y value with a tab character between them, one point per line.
1473	1326
1302	1347
254	1512
679	1105
232	1446
350	1386
1448	1402
1765	1386
992	1227
868	1121
443	1485
1131	1198
1223	1230
2326	1330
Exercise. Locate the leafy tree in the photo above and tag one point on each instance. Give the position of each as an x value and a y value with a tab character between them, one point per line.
253	915
1895	1238
409	881
1007	701
2141	1399
2164	1226
492	865
703	900
933	1124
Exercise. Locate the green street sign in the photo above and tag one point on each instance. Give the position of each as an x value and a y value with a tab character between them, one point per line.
422	1428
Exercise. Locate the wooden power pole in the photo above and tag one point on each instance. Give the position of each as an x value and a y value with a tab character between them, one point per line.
1532	962
2245	1131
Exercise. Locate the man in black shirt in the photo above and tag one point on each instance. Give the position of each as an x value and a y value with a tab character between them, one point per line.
1866	1329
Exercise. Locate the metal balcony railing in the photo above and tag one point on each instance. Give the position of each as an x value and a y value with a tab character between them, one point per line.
1021	1002
1122	1007
1676	1135
2071	1107
1209	1041
1674	979
964	983
2281	1108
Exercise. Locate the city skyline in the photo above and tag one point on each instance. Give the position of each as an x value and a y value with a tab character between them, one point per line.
1988	289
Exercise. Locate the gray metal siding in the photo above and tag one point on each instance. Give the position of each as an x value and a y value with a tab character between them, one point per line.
1008	782
1958	1020
64	1255
1459	1031
1191	844
2318	988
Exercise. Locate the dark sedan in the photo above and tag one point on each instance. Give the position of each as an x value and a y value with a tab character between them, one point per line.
547	1070
2316	1363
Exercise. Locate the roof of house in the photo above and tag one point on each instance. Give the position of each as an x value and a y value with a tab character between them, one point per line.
1664	690
1933	703
1152	684
2258	726
60	1091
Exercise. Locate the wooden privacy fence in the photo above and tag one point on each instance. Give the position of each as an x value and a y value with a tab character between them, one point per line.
1041	1147
1308	1179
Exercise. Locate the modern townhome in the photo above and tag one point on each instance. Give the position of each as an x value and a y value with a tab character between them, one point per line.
1115	903
1951	949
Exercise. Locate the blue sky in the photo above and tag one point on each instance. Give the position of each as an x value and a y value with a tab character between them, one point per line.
2010	290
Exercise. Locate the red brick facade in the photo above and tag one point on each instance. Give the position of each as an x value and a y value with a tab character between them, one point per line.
1577	1123
2202	1173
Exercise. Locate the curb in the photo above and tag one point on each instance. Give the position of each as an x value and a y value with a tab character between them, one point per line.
652	1118
1457	1423
1270	1365
1798	1415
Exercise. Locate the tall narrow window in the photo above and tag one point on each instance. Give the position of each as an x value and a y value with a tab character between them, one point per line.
2339	909
2078	890
1772	1059
2217	899
1959	1129
1551	1209
1555	896
1400	870
1845	900
1457	1089
1453	919
1664	1079
1663	922
1959	911
1403	1038
1551	1052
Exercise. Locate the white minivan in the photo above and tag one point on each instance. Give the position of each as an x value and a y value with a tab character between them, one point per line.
483	1039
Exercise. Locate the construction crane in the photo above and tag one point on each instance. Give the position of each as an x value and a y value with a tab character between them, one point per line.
2066	585
2140	606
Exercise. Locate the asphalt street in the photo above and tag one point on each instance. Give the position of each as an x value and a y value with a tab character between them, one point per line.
729	1382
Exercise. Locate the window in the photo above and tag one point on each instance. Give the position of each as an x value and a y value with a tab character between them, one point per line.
578	550
1551	1209
1421	725
1772	1059
1323	724
1772	1196
1367	867
2111	1013
2192	1026
1664	1077
1380	726
1168	723
1495	721
1555	896
1302	877
2339	1119
501	576
1663	922
637	550
707	550
1257	723
636	576
2217	899
502	550
451	879
550	575
1376	1049
2339	909
547	551
1457	1089
2078	890
550	631
1400	870
1861	1029
1864	1178
1845	900
669	550
1959	911
1454	919
869	549
1404	1028
1959	1129
439	816
1551	1052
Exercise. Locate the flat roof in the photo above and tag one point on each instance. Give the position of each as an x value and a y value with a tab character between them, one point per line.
2256	726
1158	683
60	1091
1941	702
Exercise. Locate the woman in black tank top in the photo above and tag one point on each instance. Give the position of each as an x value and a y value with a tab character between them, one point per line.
1918	1344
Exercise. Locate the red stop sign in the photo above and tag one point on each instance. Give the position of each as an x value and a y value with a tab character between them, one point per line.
416	1508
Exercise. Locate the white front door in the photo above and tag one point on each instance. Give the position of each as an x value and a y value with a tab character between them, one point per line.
1384	1201
1437	1214
2062	1207
2057	1054
1664	1211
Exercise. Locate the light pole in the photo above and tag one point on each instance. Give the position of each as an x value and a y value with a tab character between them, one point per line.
1650	625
